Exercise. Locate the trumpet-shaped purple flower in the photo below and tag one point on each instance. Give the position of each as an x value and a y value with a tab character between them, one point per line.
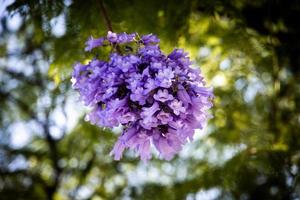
176	124
177	54
125	38
149	85
164	78
163	96
164	117
112	37
150	52
138	95
140	142
167	144
150	38
109	92
183	95
149	122
121	144
127	117
177	107
158	98
156	66
149	111
93	43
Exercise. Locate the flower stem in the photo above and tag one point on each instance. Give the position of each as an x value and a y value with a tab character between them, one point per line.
105	15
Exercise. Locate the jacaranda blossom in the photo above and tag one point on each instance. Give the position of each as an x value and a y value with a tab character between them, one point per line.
159	99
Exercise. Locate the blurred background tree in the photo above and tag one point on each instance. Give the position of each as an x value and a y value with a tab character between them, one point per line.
247	50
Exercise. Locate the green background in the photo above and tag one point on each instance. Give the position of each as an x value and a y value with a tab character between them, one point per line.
248	52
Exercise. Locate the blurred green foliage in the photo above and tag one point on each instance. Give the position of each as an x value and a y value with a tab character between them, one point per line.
247	50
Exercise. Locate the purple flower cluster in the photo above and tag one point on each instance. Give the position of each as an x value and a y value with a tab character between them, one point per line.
159	99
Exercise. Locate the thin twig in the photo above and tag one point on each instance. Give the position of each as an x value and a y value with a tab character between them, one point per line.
105	15
108	22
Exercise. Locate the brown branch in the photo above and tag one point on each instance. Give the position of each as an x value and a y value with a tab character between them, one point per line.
108	22
105	15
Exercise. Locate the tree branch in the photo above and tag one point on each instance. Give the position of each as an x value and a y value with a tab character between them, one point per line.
105	15
108	22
